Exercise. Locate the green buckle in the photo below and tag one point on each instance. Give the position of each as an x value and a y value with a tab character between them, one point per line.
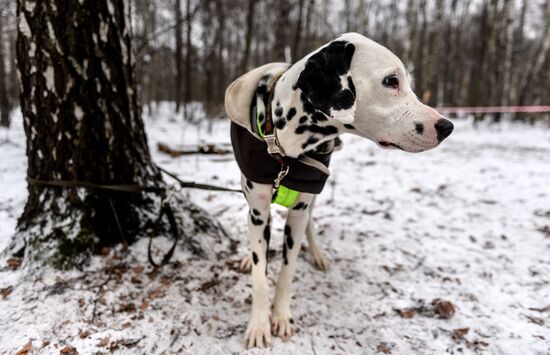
285	197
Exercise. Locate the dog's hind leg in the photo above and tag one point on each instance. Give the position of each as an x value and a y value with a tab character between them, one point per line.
258	196
294	230
319	260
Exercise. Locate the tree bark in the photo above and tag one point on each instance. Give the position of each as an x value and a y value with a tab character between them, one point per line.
82	122
177	55
508	51
249	30
282	26
540	58
5	106
298	32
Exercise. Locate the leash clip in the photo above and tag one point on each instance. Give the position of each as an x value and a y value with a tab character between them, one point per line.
284	172
272	144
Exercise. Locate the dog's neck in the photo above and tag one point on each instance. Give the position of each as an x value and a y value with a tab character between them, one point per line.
297	131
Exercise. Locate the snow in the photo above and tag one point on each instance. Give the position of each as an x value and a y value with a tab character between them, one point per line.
467	222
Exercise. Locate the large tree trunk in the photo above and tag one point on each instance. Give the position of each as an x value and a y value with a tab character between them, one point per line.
82	123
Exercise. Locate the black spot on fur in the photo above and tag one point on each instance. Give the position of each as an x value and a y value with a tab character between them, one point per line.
279	111
280	123
310	141
318	117
343	100
323	130
288	234
308	106
303	119
261	117
267	233
290	114
300	206
256	221
320	80
255	212
255	258
419	127
349	126
249	184
285	258
289	241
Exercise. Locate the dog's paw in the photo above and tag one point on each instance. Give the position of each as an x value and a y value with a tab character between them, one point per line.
258	334
246	263
319	260
281	326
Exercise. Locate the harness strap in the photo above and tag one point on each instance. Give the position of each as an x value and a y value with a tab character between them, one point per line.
270	136
273	147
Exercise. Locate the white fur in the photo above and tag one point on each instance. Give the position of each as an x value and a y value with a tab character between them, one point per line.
380	114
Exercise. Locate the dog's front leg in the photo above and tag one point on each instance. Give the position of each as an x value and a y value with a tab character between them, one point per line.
258	196
294	230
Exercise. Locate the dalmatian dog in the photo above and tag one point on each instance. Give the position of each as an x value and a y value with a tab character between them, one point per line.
350	85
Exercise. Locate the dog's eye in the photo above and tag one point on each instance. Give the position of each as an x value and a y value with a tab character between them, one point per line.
391	81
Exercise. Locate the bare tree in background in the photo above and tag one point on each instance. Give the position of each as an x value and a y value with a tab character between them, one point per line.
178	53
508	51
540	58
5	106
461	52
249	30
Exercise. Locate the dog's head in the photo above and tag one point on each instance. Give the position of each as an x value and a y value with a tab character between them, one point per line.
359	86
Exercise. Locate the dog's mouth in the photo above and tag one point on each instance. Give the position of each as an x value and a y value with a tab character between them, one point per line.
389	144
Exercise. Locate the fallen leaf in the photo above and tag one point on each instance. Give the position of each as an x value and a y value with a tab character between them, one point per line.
444	309
6	291
14	263
25	349
383	348
68	350
459	333
84	334
406	312
130	307
103	342
135	280
125	325
138	269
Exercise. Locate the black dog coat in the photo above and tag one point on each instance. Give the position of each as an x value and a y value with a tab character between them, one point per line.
251	150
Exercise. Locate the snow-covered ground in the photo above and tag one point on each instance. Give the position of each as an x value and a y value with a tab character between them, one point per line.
468	223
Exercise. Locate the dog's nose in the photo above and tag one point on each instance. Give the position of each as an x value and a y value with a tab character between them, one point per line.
444	128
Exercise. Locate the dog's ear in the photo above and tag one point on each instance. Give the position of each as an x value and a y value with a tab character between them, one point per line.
240	93
326	83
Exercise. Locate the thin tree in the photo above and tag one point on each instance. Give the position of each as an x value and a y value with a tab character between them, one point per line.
83	127
188	59
178	55
508	51
4	87
249	30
